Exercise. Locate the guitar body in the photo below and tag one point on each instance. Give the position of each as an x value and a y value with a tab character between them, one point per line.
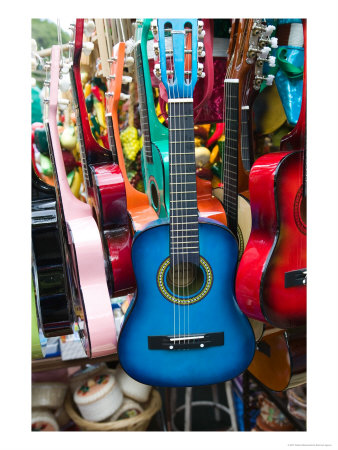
152	314
50	279
84	255
277	244
110	208
105	188
280	359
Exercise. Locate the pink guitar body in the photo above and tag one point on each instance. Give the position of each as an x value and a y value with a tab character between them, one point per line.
92	306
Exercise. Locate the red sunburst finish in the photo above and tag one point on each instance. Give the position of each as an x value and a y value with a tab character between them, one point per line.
277	243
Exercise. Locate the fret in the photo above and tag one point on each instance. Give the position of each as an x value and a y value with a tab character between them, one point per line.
186	207
180	142
185	200
185	215
185	115
180	252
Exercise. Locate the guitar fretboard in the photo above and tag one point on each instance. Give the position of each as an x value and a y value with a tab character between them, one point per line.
245	137
111	138
144	118
184	238
230	158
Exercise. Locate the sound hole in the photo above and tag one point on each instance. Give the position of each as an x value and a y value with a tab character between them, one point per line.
154	196
185	279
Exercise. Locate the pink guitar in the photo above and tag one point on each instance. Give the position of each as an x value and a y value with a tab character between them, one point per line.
83	247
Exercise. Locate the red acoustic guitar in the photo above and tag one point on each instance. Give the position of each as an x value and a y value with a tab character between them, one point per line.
104	184
271	277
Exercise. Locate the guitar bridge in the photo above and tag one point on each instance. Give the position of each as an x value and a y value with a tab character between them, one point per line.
295	278
186	342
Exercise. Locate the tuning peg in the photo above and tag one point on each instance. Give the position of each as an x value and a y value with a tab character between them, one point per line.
154	28
89	28
109	94
269	30
124	96
156	49
111	60
128	61
265	52
274	42
65	68
46	66
200	49
126	79
201	32
64	83
157	71
87	48
63	103
272	61
200	72
269	80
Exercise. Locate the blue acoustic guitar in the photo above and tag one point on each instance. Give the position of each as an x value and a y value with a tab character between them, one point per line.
184	327
155	152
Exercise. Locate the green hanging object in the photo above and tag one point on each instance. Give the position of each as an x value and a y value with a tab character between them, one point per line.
90	103
291	71
96	126
70	177
46	165
40	140
216	169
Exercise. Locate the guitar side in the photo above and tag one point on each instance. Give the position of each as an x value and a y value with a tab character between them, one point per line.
277	243
152	314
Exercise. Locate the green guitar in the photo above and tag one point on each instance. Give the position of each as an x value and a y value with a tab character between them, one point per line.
154	155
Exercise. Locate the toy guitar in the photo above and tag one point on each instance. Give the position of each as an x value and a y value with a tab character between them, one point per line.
271	277
104	185
155	156
49	276
280	359
185	298
140	211
82	243
250	51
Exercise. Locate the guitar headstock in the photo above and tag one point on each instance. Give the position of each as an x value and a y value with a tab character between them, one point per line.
52	102
82	27
253	43
116	77
178	48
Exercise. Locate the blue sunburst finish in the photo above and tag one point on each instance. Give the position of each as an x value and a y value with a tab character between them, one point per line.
156	171
152	314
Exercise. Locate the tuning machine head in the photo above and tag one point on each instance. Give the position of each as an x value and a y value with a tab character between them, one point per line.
126	79
63	103
259	79
124	97
154	28
200	49
87	48
157	71
156	49
201	32
89	28
128	61
200	72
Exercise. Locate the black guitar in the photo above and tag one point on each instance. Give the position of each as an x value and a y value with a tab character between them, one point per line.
50	280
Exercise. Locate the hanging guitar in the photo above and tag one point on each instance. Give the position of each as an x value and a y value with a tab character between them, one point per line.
140	211
280	359
104	185
82	243
247	52
185	298
48	269
271	277
155	156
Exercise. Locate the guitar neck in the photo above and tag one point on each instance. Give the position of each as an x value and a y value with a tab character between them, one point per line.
230	157
143	105
111	138
184	238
